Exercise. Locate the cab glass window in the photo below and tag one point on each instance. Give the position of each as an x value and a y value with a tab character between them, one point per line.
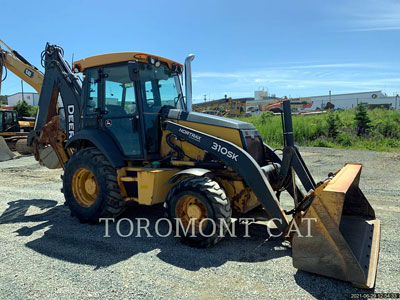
92	77
161	87
8	118
120	96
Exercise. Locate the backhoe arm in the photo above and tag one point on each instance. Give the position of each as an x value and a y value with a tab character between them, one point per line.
14	62
59	80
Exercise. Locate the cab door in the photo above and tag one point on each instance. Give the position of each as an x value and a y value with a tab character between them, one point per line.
120	114
92	105
10	121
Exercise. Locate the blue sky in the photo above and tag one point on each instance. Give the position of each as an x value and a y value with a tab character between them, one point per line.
291	48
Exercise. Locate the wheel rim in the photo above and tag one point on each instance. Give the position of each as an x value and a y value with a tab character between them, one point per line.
84	187
190	207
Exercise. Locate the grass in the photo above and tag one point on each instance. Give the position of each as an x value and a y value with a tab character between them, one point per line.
312	130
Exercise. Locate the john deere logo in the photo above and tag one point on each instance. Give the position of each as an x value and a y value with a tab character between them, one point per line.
108	123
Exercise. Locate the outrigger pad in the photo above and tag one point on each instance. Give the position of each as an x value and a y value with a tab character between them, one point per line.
345	234
5	152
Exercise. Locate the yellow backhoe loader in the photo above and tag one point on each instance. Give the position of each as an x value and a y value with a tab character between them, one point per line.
127	134
14	129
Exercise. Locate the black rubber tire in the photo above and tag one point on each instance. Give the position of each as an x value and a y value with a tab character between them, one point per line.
215	201
22	147
109	202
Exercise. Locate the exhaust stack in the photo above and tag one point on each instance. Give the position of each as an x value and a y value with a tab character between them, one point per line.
188	81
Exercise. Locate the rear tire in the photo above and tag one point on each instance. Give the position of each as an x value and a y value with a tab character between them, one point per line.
206	199
91	188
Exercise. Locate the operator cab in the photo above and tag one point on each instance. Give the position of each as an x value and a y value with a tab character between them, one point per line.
9	121
125	99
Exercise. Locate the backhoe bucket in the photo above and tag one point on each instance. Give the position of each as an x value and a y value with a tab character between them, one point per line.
5	152
341	238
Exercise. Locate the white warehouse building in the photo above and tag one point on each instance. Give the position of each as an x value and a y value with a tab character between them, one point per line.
350	100
30	98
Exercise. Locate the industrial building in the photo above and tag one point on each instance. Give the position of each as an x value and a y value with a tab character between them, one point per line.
350	100
30	98
262	101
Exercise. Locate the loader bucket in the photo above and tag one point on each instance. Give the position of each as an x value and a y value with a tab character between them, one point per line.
5	152
345	234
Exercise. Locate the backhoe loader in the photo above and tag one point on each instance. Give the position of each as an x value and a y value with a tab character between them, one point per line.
13	128
127	134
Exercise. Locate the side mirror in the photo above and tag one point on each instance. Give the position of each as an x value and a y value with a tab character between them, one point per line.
133	67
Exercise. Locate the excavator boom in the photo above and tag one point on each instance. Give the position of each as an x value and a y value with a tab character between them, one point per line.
13	61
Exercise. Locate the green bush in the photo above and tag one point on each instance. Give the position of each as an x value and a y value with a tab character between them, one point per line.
383	132
25	110
333	125
319	142
3	100
345	139
362	119
266	117
33	111
22	108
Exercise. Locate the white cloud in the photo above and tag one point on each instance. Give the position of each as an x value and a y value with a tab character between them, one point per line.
302	80
330	66
373	15
388	28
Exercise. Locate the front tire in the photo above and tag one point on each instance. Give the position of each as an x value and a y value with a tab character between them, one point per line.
198	198
90	187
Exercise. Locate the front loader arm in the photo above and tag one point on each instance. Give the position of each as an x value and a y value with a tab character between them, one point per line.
242	163
14	62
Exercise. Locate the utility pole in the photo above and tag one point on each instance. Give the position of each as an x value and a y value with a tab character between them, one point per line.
22	88
397	96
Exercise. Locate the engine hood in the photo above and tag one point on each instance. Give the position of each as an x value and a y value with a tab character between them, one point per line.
177	114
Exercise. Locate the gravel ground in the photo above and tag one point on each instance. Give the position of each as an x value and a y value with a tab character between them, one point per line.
46	254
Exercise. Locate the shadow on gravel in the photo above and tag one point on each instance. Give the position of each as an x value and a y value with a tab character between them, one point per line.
321	287
66	239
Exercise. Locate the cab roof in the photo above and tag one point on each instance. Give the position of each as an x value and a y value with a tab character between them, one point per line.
111	58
